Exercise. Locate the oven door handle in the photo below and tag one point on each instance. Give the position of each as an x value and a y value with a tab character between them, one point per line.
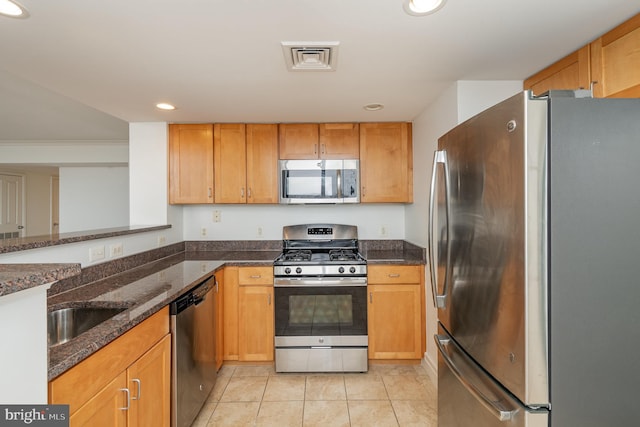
290	282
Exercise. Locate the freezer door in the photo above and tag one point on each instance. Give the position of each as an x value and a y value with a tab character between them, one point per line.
467	396
487	199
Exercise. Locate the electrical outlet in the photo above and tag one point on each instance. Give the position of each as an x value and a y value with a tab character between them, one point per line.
162	240
203	231
383	231
217	216
115	250
96	253
259	231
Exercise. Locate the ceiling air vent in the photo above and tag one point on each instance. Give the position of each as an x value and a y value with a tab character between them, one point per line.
311	56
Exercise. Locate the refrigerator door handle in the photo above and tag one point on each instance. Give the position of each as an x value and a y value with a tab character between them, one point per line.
438	157
482	387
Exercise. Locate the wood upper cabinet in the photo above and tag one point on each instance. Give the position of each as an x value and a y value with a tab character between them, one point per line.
262	163
125	383
571	72
611	63
246	163
339	141
298	140
386	163
396	316
319	141
190	163
230	163
615	61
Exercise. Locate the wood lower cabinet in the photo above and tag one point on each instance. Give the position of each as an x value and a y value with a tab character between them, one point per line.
190	163
396	318
386	163
256	323
125	383
248	314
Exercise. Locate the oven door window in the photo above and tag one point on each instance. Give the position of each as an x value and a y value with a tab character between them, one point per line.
314	311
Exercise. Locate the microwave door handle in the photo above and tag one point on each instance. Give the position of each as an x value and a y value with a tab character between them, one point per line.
339	183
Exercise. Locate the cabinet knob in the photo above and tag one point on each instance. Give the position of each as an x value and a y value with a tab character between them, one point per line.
242	192
394	275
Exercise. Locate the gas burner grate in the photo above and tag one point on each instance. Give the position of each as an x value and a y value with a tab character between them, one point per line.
342	255
298	255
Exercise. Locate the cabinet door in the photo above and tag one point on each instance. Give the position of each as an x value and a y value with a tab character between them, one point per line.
255	323
298	141
262	163
615	61
386	163
394	318
230	308
339	141
149	382
107	408
571	72
190	163
230	159
219	313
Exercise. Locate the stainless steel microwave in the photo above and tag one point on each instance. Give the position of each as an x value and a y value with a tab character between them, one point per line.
319	181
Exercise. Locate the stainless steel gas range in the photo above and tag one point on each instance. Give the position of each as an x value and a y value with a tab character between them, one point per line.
320	286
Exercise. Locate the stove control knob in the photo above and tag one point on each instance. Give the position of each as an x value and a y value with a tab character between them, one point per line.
299	270
287	270
341	270
352	270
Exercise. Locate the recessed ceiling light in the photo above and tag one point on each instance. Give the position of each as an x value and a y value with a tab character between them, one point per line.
12	9
373	107
422	7
165	106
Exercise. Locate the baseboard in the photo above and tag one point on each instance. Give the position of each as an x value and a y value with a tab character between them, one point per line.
430	367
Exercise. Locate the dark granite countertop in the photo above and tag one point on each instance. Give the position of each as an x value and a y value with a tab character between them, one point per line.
34	242
145	289
17	277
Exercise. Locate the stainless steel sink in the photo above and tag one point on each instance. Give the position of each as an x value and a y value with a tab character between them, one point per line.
67	323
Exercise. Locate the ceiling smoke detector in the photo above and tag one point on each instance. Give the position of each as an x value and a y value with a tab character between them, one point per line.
311	56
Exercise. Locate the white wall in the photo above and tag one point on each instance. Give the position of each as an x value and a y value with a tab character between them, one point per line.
148	160
242	222
459	102
93	197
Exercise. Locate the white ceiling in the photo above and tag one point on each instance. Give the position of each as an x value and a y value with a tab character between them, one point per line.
221	60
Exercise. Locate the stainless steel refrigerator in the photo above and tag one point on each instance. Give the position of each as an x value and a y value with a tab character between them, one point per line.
534	243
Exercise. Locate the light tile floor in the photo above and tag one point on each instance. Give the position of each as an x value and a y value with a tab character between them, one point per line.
387	395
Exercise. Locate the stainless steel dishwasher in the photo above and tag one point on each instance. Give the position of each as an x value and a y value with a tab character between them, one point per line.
193	365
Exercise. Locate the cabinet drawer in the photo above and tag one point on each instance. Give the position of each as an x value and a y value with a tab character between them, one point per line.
394	274
248	276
